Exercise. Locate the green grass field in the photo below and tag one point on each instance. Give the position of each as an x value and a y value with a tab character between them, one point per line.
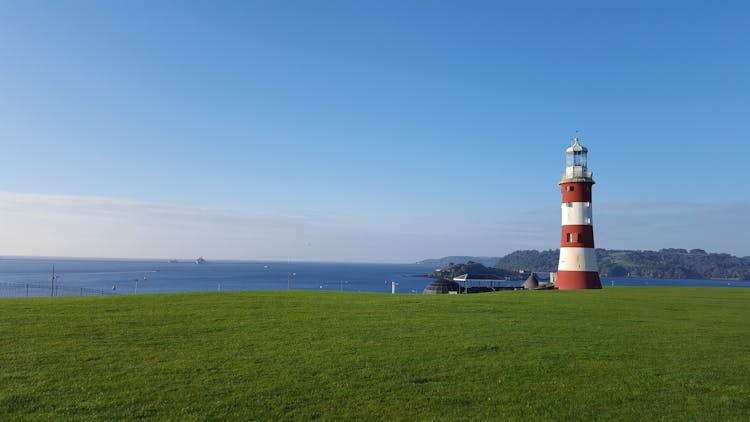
620	353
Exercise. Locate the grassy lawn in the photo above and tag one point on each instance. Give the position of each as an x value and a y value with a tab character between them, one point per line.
620	353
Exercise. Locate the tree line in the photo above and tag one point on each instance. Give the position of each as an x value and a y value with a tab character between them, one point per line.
664	263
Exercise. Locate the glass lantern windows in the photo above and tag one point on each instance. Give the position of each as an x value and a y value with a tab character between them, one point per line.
575	158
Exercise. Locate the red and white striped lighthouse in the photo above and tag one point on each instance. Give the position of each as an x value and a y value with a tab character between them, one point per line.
577	268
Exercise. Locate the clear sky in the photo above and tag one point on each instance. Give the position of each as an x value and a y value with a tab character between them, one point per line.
368	130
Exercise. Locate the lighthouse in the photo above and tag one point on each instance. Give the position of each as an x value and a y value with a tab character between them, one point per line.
577	268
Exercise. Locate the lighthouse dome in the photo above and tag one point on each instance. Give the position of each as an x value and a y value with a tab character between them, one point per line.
576	147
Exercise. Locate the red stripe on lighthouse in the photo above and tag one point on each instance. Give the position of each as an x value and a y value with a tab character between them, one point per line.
577	236
570	280
576	191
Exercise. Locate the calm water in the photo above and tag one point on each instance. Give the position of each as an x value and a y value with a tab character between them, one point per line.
187	276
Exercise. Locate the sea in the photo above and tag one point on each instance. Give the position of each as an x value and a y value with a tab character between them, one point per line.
64	276
120	276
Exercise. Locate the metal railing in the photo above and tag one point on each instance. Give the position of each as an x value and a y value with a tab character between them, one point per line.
40	290
576	173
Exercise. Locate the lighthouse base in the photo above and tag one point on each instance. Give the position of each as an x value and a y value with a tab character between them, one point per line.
575	280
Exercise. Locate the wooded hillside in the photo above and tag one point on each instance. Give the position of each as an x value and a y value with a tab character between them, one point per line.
665	263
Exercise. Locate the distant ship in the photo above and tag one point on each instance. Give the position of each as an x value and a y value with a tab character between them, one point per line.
173	261
200	261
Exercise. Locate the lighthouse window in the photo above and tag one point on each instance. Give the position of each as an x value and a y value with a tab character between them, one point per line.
569	204
570	237
570	188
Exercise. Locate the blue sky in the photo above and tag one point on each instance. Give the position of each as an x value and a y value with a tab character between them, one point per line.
368	130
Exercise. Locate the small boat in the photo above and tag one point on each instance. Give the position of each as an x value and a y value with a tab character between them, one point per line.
200	260
173	261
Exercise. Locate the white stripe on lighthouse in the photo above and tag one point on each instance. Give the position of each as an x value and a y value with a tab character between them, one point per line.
576	213
577	259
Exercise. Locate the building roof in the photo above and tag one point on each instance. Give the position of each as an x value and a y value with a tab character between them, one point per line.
478	277
442	286
531	283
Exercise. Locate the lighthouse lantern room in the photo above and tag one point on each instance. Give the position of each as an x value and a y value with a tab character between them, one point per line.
577	268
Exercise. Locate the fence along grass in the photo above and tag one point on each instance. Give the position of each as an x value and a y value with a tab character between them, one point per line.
41	290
